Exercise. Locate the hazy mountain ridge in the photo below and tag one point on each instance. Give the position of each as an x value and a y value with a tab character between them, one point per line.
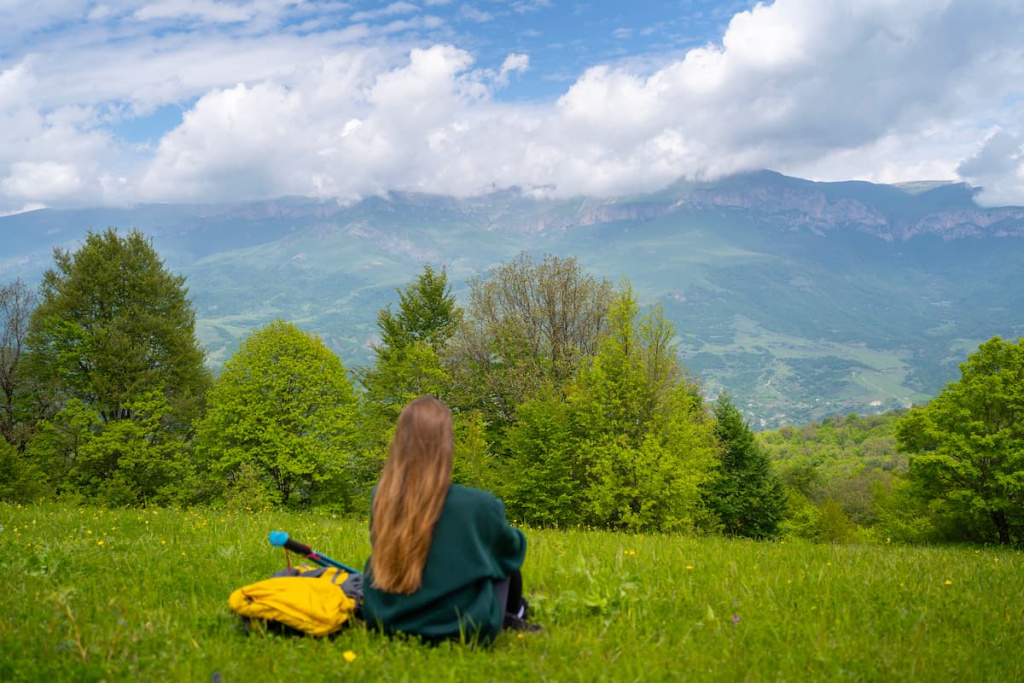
800	298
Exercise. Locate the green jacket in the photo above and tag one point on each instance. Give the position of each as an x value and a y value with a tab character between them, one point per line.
473	546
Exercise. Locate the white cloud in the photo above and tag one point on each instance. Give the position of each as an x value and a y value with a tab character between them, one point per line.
513	64
34	206
472	13
998	166
46	180
885	90
391	10
206	10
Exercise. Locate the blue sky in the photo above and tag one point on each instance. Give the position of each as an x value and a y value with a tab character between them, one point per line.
120	102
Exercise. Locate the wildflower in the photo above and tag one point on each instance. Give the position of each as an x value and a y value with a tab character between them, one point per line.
349	656
735	619
99	542
948	582
689	567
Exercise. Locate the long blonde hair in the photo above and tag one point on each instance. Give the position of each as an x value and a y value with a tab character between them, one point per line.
410	495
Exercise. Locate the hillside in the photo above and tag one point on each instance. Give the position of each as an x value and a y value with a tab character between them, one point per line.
802	299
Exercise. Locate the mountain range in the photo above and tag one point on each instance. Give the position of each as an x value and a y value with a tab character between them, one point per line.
801	299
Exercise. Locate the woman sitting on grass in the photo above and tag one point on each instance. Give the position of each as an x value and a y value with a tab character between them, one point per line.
444	562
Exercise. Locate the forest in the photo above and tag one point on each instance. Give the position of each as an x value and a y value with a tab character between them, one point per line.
569	399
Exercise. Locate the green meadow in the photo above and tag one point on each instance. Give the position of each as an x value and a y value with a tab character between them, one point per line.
91	594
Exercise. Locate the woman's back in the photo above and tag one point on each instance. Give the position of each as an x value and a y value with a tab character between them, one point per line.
472	547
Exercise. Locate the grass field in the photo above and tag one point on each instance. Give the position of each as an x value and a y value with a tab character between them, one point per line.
89	594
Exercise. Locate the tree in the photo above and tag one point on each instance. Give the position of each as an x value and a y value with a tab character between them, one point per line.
627	444
747	495
282	410
644	435
112	325
408	358
131	460
967	445
427	313
545	477
16	304
528	325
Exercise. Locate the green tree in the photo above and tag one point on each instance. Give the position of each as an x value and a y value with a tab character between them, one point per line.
407	361
427	312
544	476
112	325
967	445
644	437
123	462
528	326
284	408
747	495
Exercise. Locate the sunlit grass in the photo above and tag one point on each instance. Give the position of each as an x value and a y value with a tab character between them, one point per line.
91	594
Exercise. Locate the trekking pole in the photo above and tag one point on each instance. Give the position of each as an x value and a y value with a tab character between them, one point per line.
280	539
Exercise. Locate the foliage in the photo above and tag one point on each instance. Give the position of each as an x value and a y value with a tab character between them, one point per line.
545	481
849	460
129	461
284	406
407	363
96	594
647	444
747	495
21	479
16	304
967	445
630	446
113	325
427	313
528	325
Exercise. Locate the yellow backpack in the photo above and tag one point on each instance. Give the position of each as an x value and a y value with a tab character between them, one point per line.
314	600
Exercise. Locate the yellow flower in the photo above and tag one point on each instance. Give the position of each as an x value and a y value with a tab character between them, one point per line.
689	567
99	542
349	656
948	582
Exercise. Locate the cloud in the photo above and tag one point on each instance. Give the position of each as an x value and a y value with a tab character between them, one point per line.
391	10
513	64
885	90
997	166
471	13
45	180
205	10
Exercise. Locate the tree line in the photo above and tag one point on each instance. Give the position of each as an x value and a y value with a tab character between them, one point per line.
569	402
